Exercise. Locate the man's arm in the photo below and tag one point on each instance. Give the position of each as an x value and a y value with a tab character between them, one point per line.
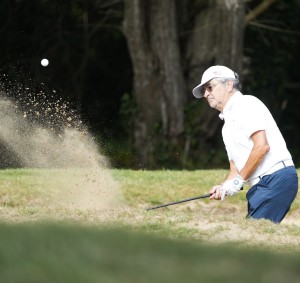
259	150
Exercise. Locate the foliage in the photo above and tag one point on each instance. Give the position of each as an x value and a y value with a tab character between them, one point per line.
272	45
201	155
119	151
117	145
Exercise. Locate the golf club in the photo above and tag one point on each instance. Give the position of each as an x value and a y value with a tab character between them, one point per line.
180	201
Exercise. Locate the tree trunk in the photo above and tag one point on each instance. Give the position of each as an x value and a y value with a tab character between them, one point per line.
230	33
216	39
166	48
150	29
146	84
160	89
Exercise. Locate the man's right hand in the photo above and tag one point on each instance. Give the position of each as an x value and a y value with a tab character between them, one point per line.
216	192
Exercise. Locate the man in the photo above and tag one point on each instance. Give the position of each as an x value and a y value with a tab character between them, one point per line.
255	147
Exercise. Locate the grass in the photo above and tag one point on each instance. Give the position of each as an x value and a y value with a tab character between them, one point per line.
64	253
45	195
57	253
47	236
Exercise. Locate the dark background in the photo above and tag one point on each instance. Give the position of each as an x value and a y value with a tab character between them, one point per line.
90	64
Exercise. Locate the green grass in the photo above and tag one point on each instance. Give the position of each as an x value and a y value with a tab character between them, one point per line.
157	187
64	253
46	236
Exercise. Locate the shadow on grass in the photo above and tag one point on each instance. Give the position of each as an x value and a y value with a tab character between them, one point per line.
56	253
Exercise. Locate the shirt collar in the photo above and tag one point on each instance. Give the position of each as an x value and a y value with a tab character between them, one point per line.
229	103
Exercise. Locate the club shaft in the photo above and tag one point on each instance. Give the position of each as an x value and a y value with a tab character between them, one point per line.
180	201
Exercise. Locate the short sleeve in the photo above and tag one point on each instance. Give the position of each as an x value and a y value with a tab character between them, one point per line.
251	115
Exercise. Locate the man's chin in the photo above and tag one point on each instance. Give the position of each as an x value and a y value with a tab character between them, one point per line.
212	104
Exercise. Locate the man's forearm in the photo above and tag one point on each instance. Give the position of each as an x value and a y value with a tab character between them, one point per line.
260	149
255	158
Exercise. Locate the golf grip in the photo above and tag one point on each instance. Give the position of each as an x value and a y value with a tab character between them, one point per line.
180	201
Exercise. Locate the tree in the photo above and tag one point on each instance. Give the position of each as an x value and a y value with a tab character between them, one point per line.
151	31
166	67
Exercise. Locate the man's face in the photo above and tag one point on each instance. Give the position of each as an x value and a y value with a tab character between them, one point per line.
214	92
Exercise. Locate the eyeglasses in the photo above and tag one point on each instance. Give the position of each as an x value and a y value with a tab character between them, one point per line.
207	87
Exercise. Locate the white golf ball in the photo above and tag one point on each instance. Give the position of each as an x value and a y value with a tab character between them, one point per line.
45	62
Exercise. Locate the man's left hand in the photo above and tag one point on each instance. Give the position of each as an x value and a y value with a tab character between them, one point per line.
232	186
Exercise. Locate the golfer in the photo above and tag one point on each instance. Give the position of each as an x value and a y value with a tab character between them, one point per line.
255	147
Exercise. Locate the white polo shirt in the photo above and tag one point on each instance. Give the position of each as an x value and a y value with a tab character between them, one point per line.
244	115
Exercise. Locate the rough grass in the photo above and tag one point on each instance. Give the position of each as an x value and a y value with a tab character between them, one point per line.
119	241
40	195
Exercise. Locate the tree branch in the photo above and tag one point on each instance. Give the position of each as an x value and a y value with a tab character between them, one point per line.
275	28
264	5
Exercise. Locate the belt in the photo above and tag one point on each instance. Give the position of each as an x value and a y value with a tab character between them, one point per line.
276	167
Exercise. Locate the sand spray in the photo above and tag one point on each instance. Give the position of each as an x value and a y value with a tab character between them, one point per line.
38	130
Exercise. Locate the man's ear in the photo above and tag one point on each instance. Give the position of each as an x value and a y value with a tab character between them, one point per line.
229	86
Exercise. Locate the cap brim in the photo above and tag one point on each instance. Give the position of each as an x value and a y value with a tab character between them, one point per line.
197	91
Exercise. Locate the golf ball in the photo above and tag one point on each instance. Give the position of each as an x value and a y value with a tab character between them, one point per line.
45	62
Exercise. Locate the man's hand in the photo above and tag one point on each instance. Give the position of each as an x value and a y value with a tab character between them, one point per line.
215	192
232	186
228	188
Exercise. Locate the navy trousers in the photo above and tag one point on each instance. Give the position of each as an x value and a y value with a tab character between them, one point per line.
272	196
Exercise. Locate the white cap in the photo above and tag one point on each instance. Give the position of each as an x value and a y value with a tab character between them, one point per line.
209	74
